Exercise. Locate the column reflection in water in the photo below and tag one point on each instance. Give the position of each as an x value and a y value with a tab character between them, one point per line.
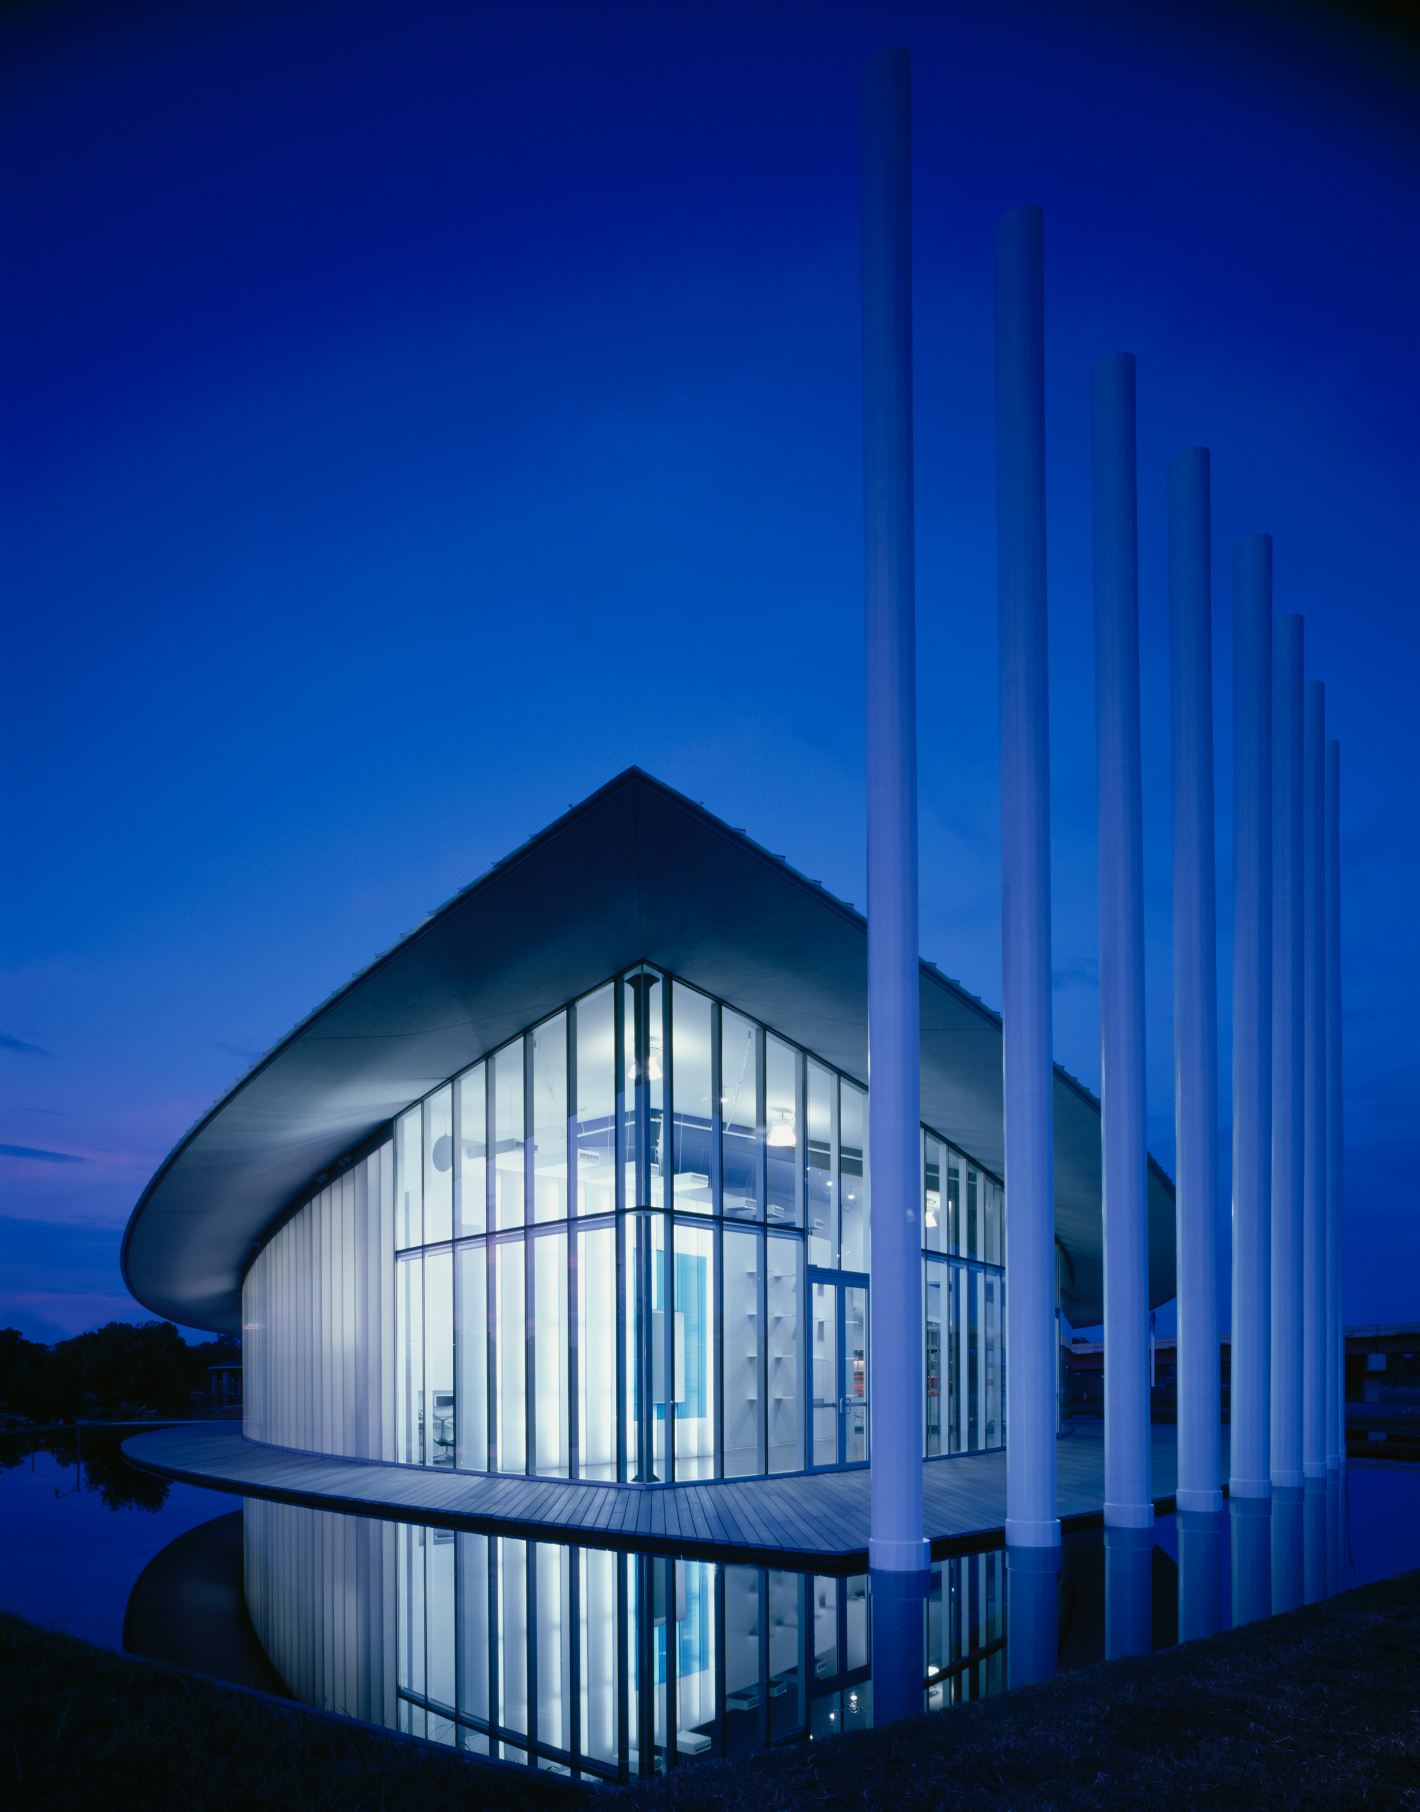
588	1661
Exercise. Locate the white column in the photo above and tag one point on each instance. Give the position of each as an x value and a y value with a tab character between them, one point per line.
1288	1124
1128	1508
1335	1340
899	1556
1314	1137
1032	1528
1250	1483
1195	994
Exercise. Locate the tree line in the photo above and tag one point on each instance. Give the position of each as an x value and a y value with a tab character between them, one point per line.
123	1370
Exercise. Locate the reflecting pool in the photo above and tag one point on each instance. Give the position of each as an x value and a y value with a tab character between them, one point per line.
585	1660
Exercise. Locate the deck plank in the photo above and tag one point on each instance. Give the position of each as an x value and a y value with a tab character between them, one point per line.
804	1519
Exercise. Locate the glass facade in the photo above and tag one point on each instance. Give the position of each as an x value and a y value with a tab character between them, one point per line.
634	1244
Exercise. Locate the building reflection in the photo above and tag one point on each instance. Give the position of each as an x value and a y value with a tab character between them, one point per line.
585	1660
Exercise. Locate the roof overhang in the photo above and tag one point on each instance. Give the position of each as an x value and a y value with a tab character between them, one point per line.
635	873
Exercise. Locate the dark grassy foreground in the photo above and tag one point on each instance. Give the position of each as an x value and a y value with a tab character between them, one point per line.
1320	1708
83	1726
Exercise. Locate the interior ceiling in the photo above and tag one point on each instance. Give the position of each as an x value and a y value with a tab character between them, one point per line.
635	873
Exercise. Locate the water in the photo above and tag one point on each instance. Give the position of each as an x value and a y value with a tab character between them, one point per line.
572	1658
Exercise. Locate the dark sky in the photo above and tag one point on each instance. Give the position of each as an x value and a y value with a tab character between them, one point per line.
414	414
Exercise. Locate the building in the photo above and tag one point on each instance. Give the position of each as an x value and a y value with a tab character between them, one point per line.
574	1181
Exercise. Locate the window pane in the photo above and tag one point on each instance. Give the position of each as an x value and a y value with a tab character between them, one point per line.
409	1586
695	1667
784	1140
439	1617
554	1646
825	1628
439	1166
934	1215
853	1163
690	1085
596	1325
509	1133
934	1295
512	1600
973	1358
473	1357
660	1332
823	1360
631	1030
786	1633
596	1102
600	1667
473	1625
991	1343
992	1193
409	1368
822	1165
656	1154
973	1211
439	1357
953	1200
694	1353
512	1359
786	1416
550	1353
633	1286
743	1693
549	1118
956	1359
471	1183
739	1094
856	1383
740	1346
409	1179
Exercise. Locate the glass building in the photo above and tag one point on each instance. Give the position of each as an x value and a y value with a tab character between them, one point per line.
634	1244
574	1182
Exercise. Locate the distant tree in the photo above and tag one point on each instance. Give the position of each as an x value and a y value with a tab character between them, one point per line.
22	1366
118	1369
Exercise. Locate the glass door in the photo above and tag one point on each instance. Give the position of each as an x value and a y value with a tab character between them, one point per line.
838	1387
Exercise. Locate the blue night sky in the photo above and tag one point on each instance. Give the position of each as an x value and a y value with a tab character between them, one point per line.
415	414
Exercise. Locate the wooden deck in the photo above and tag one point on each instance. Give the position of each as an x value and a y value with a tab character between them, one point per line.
804	1520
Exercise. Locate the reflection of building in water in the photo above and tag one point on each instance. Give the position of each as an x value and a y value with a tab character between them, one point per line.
604	1663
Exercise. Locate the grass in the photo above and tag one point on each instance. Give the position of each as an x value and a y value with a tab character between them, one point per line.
1320	1708
83	1726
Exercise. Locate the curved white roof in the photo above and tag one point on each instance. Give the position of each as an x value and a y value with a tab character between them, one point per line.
635	873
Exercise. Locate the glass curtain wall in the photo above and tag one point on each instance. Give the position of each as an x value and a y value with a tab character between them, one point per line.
608	1235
